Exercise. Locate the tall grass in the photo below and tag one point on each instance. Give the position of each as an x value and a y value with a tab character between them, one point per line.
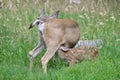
16	41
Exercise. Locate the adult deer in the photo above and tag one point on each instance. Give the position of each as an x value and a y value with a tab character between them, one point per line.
54	33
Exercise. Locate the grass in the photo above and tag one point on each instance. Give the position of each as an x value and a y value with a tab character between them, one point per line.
16	41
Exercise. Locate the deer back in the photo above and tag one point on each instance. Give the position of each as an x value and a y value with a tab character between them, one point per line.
63	31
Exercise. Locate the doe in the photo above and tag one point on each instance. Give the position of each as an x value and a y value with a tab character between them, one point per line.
53	33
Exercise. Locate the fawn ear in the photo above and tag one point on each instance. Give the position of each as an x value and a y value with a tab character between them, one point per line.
54	15
64	49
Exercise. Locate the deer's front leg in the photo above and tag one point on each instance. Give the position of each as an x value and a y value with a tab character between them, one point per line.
32	54
38	49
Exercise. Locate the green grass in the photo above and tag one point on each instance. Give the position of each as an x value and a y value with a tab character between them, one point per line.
16	41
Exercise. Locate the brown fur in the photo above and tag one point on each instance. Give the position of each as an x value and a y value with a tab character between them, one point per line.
76	55
57	33
61	30
54	34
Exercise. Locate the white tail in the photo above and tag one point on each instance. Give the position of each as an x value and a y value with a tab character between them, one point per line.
54	33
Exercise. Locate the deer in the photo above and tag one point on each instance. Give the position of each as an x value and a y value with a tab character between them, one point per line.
53	33
75	55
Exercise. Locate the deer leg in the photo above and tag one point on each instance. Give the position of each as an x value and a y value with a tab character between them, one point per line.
32	54
48	55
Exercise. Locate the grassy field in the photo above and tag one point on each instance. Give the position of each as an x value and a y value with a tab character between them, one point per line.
16	41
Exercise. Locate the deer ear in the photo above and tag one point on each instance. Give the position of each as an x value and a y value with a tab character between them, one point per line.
54	15
42	13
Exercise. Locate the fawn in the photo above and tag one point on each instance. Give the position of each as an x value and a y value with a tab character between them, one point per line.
75	55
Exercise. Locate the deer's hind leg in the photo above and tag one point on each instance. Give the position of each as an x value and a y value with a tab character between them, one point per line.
52	47
48	55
